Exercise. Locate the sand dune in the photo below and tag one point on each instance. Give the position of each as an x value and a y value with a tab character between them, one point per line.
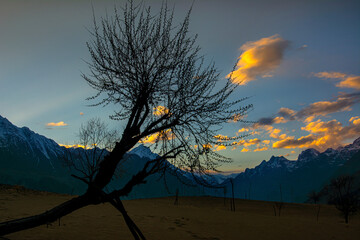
194	218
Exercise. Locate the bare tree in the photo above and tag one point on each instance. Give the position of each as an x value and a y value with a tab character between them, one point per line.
232	203
344	195
314	197
151	70
278	206
95	142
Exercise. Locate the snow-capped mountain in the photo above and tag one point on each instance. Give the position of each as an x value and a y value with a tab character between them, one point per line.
143	152
32	160
28	144
297	178
307	157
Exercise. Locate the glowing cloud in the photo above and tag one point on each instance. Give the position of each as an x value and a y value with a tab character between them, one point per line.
259	58
73	146
291	142
347	81
323	108
243	130
286	113
159	136
323	135
58	124
219	147
221	137
160	111
261	149
247	142
307	114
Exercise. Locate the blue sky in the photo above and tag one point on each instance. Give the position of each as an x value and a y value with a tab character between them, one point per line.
299	62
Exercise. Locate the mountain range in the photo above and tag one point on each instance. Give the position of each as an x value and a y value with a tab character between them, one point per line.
34	161
280	179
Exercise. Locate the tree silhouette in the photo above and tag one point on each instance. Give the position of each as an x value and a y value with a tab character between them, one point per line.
94	143
164	92
344	195
314	197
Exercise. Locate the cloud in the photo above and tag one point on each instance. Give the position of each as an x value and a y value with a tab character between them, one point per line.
243	130
250	142
302	47
159	136
81	113
247	142
221	138
347	81
58	124
219	147
261	149
336	75
350	82
259	58
323	108
323	135
275	133
73	146
307	114
286	113
291	142
160	111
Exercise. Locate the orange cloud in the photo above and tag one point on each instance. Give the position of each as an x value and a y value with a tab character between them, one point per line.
243	130
219	147
160	111
159	136
323	108
261	149
323	135
259	58
350	82
344	102
58	124
73	146
291	142
287	113
237	117
245	150
81	113
347	81
267	121
220	138
247	142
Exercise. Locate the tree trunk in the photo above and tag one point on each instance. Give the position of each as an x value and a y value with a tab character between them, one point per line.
92	196
46	217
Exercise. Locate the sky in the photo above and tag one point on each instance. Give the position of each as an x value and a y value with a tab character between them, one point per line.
298	61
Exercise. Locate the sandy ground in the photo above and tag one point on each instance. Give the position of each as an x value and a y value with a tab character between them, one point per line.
194	218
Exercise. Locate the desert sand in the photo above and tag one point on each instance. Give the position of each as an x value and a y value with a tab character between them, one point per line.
193	218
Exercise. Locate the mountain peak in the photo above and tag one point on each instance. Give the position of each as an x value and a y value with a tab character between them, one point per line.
357	142
308	154
277	159
143	152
